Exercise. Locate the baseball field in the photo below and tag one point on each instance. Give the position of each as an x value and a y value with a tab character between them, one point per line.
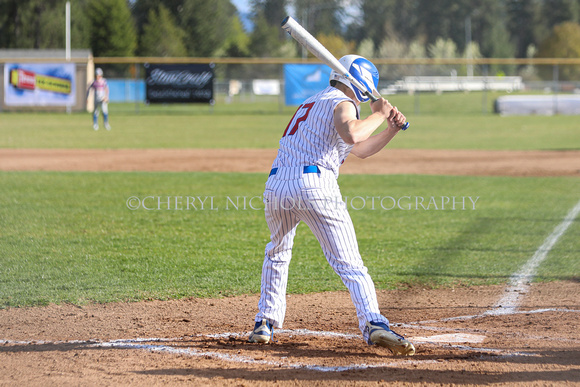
133	256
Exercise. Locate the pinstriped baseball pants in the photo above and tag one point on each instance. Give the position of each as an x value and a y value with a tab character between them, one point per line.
290	197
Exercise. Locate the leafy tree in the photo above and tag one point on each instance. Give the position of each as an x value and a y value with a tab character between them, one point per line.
392	47
112	29
563	42
161	36
442	49
366	48
336	44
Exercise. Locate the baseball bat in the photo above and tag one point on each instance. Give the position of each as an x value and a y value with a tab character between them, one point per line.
317	49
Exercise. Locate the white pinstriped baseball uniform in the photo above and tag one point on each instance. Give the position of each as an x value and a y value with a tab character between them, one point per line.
302	187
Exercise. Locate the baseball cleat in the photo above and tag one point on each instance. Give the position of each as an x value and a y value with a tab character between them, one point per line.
96	127
107	126
380	334
263	332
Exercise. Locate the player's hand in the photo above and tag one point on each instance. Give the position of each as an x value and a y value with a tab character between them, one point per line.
397	119
383	107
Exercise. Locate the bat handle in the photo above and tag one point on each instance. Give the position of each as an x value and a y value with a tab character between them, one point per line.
406	126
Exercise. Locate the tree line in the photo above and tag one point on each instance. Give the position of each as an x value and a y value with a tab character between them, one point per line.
373	28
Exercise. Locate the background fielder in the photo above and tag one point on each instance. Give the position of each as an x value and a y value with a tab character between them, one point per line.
302	186
101	88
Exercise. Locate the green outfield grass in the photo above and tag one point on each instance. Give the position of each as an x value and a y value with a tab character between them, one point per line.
70	237
450	121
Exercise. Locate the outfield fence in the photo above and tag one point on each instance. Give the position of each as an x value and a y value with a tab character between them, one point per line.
236	78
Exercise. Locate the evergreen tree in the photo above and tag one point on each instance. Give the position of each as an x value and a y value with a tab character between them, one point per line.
320	16
236	44
41	24
140	10
112	29
264	38
555	12
161	36
274	11
521	21
207	25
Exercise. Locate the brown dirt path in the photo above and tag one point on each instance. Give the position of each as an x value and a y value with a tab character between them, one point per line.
391	161
74	345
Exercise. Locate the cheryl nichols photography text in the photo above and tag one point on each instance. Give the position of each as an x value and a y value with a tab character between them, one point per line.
257	203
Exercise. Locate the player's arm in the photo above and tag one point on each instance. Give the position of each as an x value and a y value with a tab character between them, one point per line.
106	92
89	89
377	142
350	128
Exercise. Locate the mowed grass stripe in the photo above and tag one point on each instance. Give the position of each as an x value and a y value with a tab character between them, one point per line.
449	121
69	237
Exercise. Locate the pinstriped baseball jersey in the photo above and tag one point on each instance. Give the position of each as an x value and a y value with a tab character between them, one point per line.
311	138
302	187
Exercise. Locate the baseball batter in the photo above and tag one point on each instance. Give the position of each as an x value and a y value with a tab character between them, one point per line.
302	186
101	89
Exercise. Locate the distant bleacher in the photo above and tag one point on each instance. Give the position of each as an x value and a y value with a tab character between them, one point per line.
450	83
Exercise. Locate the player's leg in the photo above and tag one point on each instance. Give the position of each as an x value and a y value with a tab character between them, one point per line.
330	222
96	112
282	224
328	218
105	106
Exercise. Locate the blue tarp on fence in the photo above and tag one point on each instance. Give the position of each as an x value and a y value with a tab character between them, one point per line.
126	90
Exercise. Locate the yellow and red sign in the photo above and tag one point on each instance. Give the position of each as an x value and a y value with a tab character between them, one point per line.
40	84
29	80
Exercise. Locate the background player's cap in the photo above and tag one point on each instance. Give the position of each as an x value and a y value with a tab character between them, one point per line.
363	70
99	71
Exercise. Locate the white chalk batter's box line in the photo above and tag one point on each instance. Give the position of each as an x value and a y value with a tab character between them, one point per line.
145	344
443	340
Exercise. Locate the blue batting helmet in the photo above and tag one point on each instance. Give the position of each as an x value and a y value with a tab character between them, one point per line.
360	69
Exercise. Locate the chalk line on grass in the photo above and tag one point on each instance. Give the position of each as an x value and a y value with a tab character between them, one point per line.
519	284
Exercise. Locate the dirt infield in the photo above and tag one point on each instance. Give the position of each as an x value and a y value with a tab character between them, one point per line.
391	161
203	341
460	337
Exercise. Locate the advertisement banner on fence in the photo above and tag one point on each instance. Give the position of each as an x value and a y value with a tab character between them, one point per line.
304	80
179	83
44	84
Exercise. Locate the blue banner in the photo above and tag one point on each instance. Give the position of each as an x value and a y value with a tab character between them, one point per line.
304	80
